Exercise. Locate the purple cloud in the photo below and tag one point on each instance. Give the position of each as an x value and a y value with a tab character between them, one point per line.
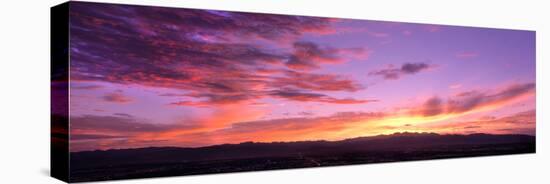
394	73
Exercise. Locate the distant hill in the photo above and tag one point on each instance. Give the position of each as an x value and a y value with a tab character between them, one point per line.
167	161
397	141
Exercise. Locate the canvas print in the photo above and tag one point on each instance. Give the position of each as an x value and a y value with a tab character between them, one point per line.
142	91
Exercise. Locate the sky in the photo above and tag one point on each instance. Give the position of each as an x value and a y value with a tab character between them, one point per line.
150	76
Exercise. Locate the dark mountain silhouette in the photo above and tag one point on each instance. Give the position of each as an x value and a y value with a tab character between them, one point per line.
248	156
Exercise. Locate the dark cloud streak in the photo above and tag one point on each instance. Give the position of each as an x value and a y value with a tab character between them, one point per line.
116	97
211	54
472	100
314	97
394	73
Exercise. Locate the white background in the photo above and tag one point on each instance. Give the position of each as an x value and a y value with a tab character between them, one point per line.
24	90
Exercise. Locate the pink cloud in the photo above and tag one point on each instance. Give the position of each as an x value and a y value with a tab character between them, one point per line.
471	101
455	86
376	34
116	97
467	54
308	55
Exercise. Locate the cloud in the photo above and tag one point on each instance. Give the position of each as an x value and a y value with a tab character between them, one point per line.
525	118
123	115
316	82
474	100
224	99
302	123
377	34
286	129
78	137
214	100
248	89
432	107
394	73
117	132
216	57
517	123
114	124
467	54
129	132
308	55
306	113
155	21
116	97
172	95
412	68
78	86
191	103
90	132
472	127
146	44
314	97
236	124
288	94
455	86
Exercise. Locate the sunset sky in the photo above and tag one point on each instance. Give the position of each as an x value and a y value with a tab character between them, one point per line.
149	76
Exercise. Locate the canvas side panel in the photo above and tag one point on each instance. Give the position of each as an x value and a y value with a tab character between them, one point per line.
59	58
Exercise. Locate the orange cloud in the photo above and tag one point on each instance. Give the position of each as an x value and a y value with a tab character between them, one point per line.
475	101
316	82
519	123
234	123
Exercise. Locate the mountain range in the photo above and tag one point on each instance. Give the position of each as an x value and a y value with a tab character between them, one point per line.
247	156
